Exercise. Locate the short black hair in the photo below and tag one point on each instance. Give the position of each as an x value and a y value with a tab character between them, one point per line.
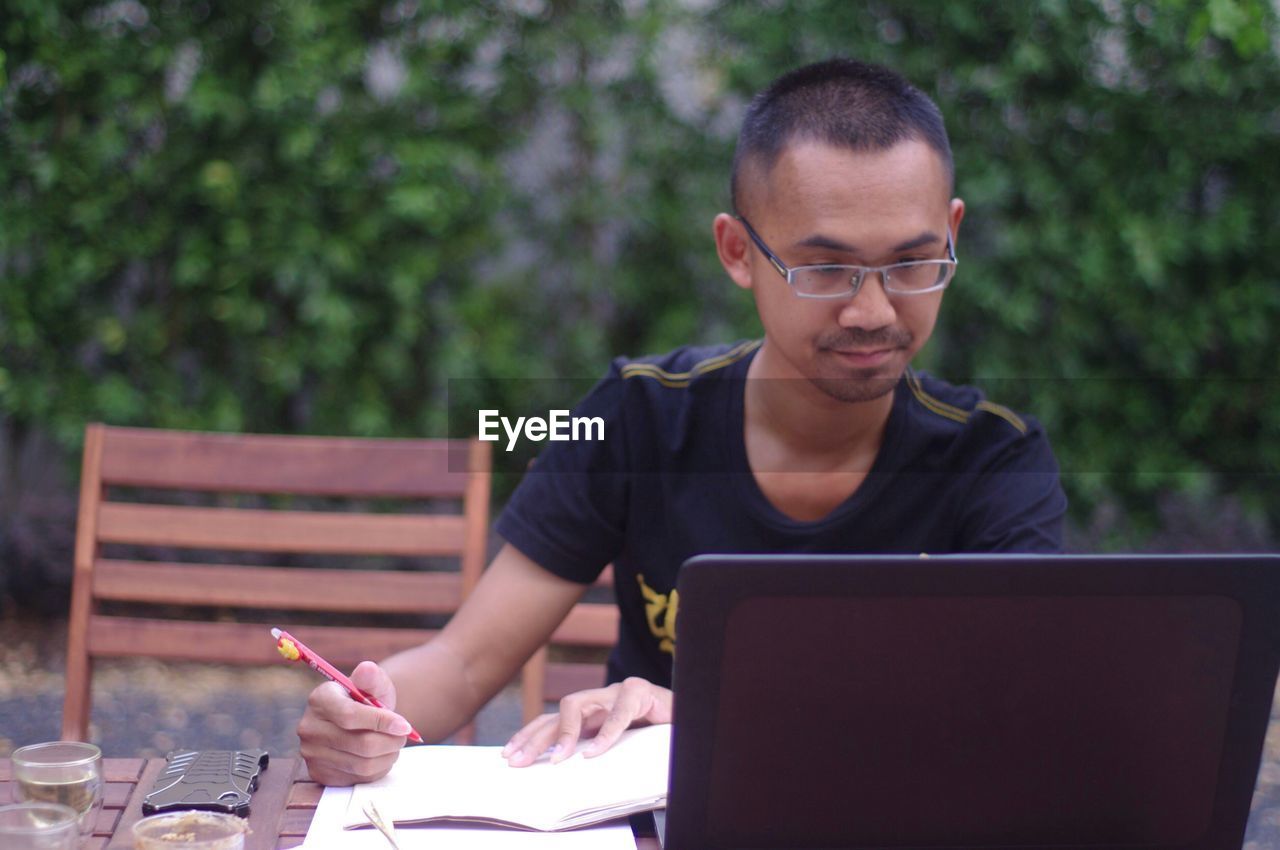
839	102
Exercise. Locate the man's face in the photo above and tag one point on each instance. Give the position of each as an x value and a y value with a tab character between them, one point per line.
822	204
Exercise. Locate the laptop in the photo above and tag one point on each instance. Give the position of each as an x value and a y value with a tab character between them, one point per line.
976	702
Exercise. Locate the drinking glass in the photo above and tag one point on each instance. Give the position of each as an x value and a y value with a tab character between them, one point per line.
39	826
190	831
66	772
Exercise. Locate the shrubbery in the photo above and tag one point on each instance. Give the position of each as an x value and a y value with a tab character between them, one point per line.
310	216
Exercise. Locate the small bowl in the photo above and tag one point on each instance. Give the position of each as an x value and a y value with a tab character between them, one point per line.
191	830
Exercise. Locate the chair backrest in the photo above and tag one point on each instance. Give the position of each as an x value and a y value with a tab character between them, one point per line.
151	501
573	659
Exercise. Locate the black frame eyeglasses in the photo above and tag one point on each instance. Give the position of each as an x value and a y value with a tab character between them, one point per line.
837	280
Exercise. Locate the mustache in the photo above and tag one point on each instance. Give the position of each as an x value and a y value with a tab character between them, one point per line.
846	338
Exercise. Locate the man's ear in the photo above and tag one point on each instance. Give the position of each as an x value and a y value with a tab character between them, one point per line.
734	249
955	214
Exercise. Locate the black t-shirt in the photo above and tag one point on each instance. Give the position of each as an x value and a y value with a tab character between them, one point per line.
670	479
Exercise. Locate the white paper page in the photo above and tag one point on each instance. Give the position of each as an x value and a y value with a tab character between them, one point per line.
476	781
326	833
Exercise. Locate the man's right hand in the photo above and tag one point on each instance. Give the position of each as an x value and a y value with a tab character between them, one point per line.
344	741
442	683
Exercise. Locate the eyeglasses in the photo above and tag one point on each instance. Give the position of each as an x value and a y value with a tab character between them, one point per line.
838	281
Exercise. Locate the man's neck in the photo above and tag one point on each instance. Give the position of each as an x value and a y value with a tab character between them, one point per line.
805	423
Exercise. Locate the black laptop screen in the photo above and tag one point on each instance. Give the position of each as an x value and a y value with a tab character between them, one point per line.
957	721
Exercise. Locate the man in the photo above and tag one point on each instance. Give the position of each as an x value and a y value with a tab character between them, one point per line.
817	439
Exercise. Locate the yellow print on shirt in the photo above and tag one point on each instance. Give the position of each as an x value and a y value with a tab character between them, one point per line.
660	610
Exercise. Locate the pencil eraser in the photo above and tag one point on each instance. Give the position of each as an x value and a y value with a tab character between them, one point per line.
286	648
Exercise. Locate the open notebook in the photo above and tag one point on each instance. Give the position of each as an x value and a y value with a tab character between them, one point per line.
475	784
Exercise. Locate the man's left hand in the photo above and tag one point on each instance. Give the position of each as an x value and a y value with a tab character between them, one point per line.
606	712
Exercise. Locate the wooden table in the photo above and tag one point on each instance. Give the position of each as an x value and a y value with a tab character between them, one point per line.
281	813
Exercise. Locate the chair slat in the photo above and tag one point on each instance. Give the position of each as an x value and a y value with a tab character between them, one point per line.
240	643
281	531
285	588
589	624
565	677
76	698
141	457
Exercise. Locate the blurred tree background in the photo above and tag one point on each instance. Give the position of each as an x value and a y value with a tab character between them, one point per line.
316	216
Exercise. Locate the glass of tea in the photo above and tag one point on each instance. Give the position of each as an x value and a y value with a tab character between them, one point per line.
190	831
39	826
65	772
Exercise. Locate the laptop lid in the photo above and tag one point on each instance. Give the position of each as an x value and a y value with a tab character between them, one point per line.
958	701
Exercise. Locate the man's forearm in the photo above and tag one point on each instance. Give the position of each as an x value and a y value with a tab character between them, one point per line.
514	608
434	691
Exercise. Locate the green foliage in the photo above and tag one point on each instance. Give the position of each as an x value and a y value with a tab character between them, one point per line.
211	220
311	216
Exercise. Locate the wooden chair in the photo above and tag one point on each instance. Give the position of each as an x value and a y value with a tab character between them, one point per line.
136	496
590	629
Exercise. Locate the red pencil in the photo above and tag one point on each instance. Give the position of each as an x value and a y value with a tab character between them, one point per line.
295	650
